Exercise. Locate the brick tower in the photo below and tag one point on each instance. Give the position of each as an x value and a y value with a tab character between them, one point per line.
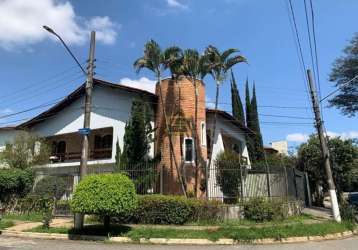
179	102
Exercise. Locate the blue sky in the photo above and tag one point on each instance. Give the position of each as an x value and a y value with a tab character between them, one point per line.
35	69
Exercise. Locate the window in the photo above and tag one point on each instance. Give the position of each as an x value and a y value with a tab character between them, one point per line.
203	134
107	141
189	150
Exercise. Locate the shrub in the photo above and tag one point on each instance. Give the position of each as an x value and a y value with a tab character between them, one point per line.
106	195
260	209
347	212
228	175
15	183
166	209
51	186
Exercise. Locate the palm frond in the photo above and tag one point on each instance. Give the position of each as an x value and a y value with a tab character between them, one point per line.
232	61
227	53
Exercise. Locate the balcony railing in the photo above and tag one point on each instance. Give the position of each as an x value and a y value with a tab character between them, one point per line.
96	154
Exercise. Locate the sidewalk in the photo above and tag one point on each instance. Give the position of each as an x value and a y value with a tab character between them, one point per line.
320	212
27	225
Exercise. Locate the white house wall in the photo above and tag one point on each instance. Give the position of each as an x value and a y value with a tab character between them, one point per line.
227	127
6	136
110	108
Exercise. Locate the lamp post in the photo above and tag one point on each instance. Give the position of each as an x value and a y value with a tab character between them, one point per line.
78	222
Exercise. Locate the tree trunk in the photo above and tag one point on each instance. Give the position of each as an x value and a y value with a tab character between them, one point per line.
106	221
213	134
171	147
195	135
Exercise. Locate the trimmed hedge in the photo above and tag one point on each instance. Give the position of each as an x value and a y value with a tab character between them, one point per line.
166	209
261	209
15	183
105	194
50	186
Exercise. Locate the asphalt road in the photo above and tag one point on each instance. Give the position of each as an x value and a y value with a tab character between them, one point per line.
9	243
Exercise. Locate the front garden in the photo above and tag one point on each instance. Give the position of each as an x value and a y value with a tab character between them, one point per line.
113	208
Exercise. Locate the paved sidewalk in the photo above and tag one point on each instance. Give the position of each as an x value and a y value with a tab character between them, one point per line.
27	225
320	212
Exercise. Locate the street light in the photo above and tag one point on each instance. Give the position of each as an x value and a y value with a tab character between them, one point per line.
78	220
48	29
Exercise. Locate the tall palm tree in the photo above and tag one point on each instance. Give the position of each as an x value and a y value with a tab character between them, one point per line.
219	64
157	61
193	68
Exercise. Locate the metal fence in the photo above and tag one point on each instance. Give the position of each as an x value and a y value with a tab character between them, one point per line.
230	184
234	183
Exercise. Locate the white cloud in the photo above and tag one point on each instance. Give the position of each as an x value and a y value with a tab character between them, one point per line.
209	102
344	135
22	20
142	83
176	4
297	137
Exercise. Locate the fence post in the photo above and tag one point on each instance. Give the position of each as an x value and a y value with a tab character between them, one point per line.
286	181
295	182
242	183
308	190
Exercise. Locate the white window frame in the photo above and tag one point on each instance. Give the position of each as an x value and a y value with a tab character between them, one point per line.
192	151
203	134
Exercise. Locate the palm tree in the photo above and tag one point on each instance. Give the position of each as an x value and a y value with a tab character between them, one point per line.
193	68
157	61
219	64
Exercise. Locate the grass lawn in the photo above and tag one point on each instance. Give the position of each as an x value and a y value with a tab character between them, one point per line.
35	217
244	234
299	219
4	223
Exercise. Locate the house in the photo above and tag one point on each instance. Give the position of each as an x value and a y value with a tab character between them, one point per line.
111	107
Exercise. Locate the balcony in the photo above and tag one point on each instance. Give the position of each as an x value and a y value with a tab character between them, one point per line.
66	148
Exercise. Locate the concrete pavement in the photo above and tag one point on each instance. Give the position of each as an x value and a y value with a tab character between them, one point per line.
9	243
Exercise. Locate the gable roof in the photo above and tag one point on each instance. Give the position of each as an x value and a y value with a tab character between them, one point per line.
228	117
76	94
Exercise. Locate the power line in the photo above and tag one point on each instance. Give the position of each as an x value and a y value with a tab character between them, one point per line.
338	89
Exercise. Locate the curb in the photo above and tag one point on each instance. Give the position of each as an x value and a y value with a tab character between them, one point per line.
165	241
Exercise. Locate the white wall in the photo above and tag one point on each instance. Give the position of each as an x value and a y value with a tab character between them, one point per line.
111	108
222	126
6	136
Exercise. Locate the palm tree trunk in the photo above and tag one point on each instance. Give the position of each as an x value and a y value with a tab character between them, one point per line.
195	135
212	135
171	147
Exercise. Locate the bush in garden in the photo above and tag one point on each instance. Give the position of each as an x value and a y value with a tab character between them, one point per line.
168	209
228	174
162	209
260	209
348	212
106	195
15	183
51	186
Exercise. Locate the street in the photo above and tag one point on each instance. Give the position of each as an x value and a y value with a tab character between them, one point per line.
9	243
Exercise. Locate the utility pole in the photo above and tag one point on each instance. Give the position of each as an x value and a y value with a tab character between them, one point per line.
87	120
324	148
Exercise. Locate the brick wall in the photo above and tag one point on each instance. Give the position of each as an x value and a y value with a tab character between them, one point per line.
179	102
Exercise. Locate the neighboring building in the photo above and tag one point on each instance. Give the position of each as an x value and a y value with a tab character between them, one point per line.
270	151
111	107
280	146
7	134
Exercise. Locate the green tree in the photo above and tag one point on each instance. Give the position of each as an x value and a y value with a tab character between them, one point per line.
249	136
135	159
228	175
344	162
156	61
117	165
345	68
105	195
258	148
237	108
26	150
218	64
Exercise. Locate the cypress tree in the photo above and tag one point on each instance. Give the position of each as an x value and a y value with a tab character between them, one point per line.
249	136
255	127
237	108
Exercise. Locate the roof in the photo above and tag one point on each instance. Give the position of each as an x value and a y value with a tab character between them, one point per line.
229	118
7	128
77	93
